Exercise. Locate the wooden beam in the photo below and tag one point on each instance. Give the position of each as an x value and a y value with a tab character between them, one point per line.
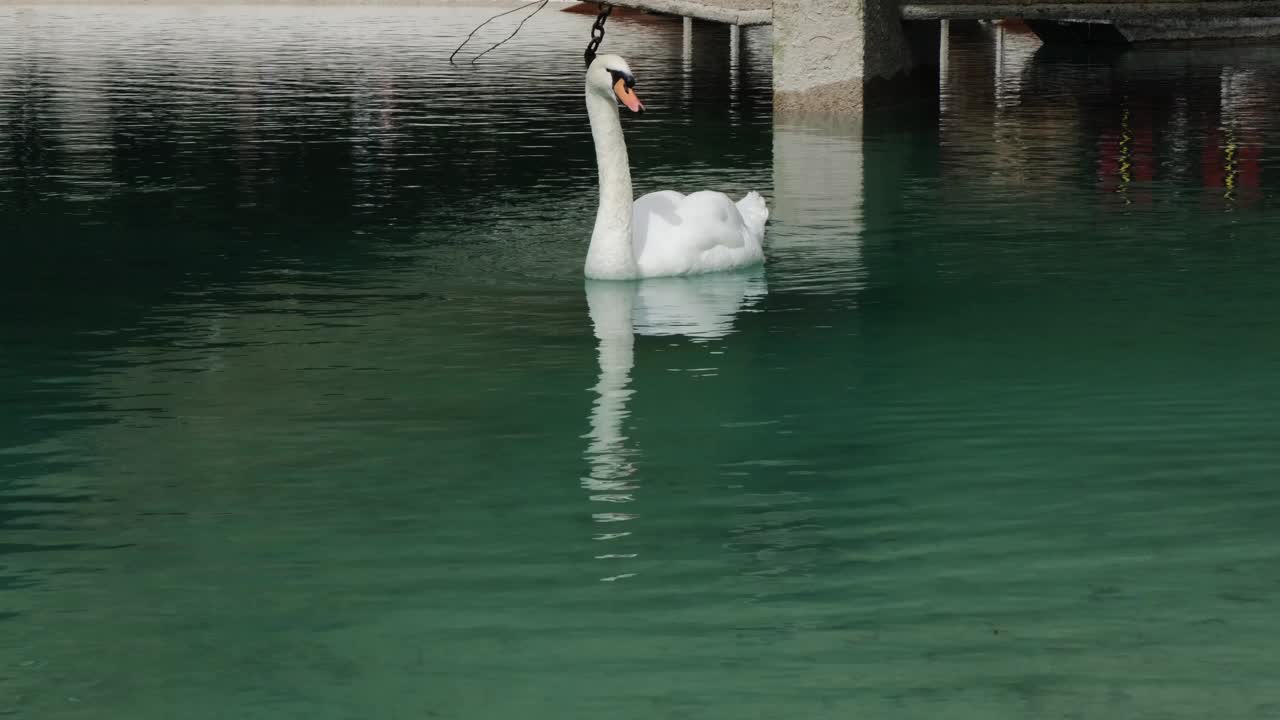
1187	10
710	10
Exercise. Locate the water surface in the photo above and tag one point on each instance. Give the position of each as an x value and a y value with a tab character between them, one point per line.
307	410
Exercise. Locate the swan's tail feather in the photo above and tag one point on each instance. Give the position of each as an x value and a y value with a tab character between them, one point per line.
754	211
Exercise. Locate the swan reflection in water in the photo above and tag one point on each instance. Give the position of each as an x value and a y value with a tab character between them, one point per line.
701	308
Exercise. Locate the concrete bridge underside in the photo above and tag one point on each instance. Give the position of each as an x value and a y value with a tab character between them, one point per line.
838	55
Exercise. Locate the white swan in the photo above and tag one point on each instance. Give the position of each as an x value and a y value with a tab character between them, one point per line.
663	233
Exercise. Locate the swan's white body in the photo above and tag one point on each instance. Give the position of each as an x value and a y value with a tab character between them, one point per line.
663	233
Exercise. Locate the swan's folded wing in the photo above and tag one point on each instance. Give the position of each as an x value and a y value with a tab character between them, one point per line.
711	219
655	215
704	232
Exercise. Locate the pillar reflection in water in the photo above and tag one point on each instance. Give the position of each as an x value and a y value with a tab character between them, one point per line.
817	220
1245	101
700	308
686	61
1153	120
944	62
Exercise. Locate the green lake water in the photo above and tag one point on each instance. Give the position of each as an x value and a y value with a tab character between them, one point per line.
307	412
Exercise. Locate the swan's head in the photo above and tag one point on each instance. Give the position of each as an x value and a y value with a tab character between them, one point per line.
610	76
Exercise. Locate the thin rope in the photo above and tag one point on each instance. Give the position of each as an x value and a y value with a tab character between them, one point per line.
513	32
495	17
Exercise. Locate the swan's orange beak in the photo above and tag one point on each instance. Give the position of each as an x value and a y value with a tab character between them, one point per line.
628	97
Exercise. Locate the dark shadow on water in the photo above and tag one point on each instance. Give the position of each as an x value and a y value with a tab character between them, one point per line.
171	198
137	185
1055	54
29	512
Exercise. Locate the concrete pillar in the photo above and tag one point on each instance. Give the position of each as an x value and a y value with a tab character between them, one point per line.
839	55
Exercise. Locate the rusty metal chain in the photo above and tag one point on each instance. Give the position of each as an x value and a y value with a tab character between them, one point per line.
597	33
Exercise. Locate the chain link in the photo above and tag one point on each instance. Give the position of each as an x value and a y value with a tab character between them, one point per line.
597	32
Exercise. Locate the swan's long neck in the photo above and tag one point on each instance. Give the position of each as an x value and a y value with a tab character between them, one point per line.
610	255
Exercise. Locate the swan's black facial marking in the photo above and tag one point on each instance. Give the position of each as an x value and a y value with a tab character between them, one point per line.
628	80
